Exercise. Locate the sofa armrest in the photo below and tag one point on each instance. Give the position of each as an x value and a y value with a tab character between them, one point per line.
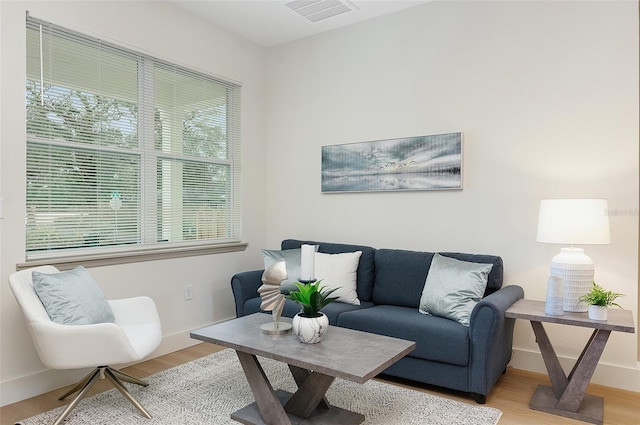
245	287
491	335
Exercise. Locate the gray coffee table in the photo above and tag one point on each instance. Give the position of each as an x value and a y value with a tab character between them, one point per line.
342	353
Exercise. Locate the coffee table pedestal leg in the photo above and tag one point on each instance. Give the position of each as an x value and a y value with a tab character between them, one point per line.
567	395
307	406
310	394
268	405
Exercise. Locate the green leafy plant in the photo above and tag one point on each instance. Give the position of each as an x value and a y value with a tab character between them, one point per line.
600	297
311	297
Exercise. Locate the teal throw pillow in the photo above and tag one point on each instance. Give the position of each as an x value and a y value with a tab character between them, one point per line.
291	258
72	297
453	288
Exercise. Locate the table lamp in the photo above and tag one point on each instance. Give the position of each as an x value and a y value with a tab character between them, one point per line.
573	222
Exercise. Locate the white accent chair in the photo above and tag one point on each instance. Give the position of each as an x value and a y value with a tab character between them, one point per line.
135	334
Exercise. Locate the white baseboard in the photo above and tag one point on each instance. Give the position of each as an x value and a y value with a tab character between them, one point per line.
37	383
626	378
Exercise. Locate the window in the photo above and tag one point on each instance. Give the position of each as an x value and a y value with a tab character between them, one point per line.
125	151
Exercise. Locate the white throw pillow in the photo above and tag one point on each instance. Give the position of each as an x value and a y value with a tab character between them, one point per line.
453	288
339	271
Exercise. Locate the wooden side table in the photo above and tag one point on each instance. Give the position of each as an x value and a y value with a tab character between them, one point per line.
567	396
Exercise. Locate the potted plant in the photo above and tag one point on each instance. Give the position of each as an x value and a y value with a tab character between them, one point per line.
310	324
599	299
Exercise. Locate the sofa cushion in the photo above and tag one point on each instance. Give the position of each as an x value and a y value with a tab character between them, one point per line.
333	310
366	268
400	276
338	271
436	338
453	288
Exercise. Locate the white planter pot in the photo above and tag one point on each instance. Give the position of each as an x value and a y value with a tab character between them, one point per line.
597	312
310	329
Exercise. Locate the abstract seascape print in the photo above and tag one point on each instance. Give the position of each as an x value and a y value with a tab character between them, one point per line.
412	163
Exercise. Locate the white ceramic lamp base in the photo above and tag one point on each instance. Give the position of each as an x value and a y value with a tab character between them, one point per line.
576	270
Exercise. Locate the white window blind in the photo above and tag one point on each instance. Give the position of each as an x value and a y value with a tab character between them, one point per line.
125	151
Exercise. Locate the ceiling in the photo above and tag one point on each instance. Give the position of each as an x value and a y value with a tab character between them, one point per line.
269	23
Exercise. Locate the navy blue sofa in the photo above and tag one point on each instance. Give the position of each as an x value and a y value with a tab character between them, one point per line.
389	287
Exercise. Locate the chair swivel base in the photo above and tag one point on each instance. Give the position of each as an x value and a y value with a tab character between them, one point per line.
115	376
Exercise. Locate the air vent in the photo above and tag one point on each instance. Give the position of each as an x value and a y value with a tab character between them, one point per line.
318	10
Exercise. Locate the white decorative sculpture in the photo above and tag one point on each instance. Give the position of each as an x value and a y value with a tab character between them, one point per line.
272	299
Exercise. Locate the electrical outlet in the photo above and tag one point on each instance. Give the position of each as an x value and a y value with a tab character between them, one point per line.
188	292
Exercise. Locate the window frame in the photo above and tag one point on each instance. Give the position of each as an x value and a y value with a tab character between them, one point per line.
141	251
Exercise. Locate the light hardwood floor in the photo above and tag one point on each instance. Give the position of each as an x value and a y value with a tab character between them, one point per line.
511	394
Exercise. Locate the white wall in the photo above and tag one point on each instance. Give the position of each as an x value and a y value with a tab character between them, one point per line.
168	33
546	94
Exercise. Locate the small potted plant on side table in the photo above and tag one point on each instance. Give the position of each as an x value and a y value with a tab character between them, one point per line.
310	324
599	299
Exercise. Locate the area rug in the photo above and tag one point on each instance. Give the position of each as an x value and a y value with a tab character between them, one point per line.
208	390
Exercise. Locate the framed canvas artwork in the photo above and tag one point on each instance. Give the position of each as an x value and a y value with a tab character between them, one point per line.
412	163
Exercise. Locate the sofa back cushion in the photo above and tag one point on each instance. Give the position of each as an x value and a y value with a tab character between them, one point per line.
401	274
366	269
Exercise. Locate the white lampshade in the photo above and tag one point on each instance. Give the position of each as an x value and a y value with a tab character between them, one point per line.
573	222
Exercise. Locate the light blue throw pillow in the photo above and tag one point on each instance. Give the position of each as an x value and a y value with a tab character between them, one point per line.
72	297
453	288
291	258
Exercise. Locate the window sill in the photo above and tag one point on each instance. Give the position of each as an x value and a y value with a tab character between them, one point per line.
110	259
